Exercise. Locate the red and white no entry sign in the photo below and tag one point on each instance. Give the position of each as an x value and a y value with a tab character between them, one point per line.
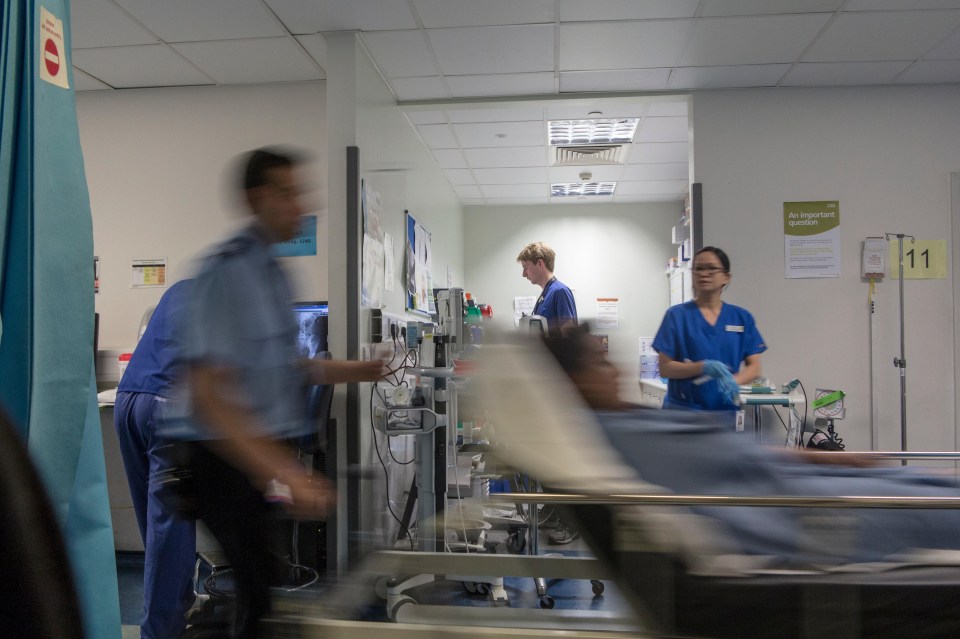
51	57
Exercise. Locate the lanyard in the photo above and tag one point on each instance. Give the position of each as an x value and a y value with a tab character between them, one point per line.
536	307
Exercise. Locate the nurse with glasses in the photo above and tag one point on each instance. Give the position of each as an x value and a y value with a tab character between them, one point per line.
708	348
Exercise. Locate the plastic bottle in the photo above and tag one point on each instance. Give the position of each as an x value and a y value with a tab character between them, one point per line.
473	311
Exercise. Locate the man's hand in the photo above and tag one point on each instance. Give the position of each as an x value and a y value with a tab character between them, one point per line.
311	497
344	372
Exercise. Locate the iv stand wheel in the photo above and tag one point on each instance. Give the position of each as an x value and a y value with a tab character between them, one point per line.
547	602
597	586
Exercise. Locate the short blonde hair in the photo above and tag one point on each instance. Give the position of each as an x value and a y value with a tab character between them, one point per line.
538	251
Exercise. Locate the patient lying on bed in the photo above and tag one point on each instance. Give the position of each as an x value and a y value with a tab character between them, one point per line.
610	447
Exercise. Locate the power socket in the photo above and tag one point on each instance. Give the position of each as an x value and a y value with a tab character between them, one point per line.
386	327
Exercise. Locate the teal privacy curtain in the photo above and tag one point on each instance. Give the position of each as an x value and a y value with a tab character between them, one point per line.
47	381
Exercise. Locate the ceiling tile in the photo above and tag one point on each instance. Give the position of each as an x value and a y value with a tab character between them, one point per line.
653	152
510	176
427	117
609	10
753	40
625	80
662	130
514	190
459	177
316	46
431	88
191	21
762	7
862	37
472	201
931	72
511	157
843	73
672	171
261	61
599	173
652	187
152	65
627	108
473	86
101	23
469	13
748	75
493	50
667	108
947	49
523	201
497	114
85	82
401	54
437	136
313	16
900	5
484	134
621	45
468	192
449	159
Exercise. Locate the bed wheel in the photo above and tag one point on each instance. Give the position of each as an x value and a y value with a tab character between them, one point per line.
597	586
547	602
403	600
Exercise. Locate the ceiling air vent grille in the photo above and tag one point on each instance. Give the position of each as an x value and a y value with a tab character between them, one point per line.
587	155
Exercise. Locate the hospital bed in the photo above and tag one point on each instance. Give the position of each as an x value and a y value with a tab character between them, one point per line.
681	572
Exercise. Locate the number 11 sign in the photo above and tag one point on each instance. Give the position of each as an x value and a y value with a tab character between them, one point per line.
922	260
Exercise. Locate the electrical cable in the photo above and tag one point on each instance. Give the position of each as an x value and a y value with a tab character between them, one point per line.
386	475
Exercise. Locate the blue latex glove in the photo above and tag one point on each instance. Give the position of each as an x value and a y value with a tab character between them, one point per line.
725	381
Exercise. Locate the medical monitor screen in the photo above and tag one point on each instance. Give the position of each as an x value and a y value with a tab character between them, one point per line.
311	328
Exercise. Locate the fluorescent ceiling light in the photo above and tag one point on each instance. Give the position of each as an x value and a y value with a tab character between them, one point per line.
596	131
582	188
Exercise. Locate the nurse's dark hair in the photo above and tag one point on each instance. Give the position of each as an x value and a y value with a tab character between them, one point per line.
724	260
258	163
570	349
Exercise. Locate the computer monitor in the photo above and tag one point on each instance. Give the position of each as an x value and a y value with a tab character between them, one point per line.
312	327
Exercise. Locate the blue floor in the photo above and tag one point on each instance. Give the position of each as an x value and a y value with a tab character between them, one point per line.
567	594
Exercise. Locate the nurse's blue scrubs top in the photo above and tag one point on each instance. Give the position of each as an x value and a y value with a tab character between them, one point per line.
240	317
556	304
154	365
686	336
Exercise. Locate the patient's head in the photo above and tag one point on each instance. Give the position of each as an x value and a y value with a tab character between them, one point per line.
582	357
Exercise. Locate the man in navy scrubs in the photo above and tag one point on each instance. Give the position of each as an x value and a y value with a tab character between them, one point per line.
556	301
169	543
557	305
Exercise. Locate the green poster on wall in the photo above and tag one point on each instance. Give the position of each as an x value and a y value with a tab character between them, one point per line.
811	239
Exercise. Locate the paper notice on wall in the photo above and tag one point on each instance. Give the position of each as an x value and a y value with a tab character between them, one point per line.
148	273
608	312
522	306
388	260
811	239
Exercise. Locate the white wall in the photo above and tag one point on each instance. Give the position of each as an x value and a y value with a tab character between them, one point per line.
886	155
157	163
363	113
603	250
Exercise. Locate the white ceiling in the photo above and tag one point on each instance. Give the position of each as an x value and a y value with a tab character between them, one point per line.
448	60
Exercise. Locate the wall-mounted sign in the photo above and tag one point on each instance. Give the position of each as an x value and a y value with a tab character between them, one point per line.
811	239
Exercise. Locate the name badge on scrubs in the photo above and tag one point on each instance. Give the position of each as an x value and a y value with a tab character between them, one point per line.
740	418
733	329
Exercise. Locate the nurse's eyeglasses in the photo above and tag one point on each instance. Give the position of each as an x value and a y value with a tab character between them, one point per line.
709	270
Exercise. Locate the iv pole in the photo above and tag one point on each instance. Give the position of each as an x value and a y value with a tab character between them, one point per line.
901	362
